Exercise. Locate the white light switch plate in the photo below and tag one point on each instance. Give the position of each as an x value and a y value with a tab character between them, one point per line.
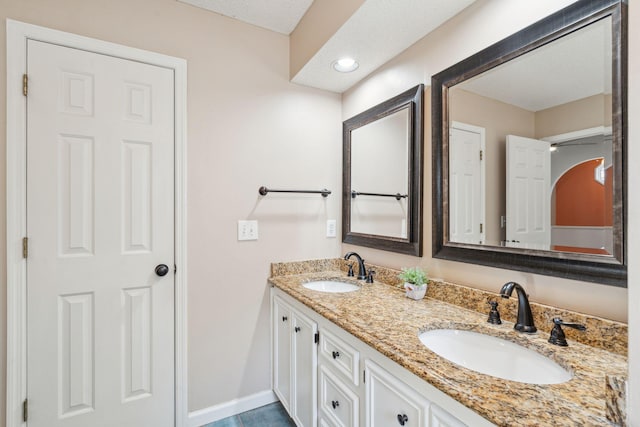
247	230
331	228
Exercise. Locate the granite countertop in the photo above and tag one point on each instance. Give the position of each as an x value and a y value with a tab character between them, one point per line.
382	317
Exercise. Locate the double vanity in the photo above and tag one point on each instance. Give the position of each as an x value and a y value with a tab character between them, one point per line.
351	353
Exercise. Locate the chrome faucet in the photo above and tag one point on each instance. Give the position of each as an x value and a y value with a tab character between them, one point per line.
362	273
525	318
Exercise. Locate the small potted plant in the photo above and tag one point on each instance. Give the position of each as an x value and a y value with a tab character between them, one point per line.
415	282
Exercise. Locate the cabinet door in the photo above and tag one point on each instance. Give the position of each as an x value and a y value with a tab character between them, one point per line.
304	357
441	418
282	320
390	402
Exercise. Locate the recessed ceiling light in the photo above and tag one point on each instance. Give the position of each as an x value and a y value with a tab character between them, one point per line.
345	65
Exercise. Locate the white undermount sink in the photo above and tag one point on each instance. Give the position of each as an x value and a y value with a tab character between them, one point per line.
494	356
331	286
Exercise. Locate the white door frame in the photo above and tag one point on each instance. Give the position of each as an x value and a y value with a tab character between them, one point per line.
17	35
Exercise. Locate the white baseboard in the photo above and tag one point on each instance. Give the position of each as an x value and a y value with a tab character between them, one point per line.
233	407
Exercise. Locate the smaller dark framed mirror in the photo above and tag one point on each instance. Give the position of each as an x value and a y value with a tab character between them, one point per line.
382	175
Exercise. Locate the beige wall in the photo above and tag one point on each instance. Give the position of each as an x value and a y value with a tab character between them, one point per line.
247	127
483	23
577	115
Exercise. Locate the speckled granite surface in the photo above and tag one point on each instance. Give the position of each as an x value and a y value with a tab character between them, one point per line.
617	400
602	333
381	316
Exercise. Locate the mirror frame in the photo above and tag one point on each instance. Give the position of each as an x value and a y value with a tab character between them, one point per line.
591	268
412	99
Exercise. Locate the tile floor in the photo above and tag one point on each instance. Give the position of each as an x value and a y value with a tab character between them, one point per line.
272	415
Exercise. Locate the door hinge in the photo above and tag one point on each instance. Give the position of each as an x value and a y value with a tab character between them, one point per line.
25	247
25	410
364	376
175	269
25	84
481	227
481	154
316	338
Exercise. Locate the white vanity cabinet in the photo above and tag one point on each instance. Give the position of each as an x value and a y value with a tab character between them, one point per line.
339	404
339	373
390	402
356	385
440	418
295	361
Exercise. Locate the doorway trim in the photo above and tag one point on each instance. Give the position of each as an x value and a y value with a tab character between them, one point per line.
17	35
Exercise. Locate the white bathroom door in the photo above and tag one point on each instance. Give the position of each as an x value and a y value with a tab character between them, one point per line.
466	184
100	219
528	193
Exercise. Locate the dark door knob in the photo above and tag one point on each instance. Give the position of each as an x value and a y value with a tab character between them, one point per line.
162	270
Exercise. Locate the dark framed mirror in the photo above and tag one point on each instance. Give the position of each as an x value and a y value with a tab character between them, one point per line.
382	175
529	140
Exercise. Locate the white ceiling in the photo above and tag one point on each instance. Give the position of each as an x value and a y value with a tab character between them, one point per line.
280	16
375	33
378	31
575	67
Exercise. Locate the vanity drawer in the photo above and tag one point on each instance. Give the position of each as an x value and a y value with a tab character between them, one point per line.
339	406
340	356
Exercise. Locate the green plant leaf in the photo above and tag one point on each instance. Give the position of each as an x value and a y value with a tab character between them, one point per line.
414	275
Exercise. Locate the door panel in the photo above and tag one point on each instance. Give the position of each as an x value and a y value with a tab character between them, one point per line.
305	362
75	385
528	193
136	195
282	318
100	144
136	343
75	222
466	184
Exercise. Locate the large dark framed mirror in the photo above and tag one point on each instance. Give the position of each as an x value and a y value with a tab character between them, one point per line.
382	175
529	138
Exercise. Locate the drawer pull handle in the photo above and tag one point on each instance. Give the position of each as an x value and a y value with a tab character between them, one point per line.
284	318
297	329
335	404
335	354
402	419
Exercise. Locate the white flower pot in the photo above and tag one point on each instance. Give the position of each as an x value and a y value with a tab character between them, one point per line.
414	291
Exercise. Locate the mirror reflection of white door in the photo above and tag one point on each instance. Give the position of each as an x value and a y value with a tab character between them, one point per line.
528	193
466	183
100	218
